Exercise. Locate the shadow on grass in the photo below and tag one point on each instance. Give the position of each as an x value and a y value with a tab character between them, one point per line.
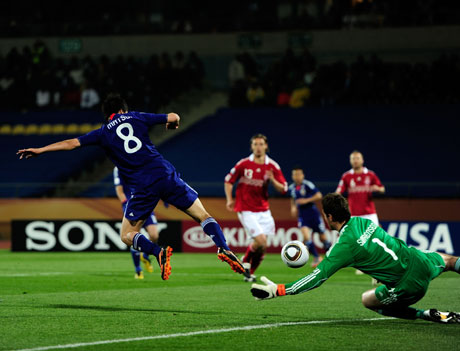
128	309
124	309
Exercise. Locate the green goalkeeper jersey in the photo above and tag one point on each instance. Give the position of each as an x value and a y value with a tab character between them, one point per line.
362	245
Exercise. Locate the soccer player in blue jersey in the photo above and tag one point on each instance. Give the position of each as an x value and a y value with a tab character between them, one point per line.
304	194
150	225
125	139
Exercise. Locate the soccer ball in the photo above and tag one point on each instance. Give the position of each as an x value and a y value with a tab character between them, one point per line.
294	254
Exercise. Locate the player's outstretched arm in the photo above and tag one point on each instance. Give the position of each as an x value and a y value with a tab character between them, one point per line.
64	145
173	121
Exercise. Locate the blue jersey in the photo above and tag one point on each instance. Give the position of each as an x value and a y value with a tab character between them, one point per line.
308	214
125	139
304	191
118	180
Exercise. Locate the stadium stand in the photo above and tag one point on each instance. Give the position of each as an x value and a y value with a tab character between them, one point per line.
40	82
182	16
298	80
37	177
320	139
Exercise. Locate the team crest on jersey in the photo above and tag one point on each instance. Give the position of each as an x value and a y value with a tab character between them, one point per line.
303	192
258	170
248	173
352	183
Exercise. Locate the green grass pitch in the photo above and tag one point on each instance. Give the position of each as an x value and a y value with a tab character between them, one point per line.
49	299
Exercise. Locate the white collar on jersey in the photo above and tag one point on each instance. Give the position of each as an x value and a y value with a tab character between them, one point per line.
267	159
365	170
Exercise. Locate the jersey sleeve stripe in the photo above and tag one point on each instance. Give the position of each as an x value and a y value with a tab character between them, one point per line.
277	166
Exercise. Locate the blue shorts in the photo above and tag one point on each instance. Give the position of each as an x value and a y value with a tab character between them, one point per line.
171	189
313	221
151	220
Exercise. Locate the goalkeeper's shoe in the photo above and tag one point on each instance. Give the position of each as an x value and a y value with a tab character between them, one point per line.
248	277
442	317
147	263
139	275
231	259
164	262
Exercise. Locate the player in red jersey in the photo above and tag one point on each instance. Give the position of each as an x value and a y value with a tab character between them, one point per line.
360	182
251	202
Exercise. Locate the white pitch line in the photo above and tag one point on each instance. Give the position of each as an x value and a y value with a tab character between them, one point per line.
198	332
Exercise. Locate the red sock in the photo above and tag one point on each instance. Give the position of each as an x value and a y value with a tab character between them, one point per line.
249	254
257	258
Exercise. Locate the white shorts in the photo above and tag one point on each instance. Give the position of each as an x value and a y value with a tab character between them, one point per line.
256	223
373	217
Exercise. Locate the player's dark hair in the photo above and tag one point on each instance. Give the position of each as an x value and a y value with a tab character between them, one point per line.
298	168
356	152
112	104
259	136
336	205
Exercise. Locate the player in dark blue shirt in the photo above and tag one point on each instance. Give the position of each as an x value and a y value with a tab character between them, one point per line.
150	225
125	139
303	196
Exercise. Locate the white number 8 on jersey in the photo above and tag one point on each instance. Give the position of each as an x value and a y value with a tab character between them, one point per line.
129	137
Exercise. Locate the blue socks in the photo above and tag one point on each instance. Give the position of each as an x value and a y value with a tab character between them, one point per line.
327	245
211	228
141	243
457	266
311	248
136	259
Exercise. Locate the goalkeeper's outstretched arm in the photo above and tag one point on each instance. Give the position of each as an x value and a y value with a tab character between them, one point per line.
271	289
337	258
64	145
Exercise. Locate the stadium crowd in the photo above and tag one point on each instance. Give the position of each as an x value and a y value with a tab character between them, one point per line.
297	80
32	79
200	16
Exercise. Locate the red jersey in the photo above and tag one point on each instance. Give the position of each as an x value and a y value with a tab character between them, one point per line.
252	188
359	191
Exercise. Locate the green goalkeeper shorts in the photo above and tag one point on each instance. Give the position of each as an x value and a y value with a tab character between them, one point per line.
422	269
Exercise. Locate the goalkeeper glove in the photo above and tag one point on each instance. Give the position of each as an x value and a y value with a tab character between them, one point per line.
267	291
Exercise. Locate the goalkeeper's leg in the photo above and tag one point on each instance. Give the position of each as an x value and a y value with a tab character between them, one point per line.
397	310
452	263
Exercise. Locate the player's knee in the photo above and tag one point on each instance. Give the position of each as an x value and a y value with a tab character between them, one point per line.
364	300
260	244
369	300
127	238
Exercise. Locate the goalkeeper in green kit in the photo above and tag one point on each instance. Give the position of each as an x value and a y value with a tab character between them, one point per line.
405	272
